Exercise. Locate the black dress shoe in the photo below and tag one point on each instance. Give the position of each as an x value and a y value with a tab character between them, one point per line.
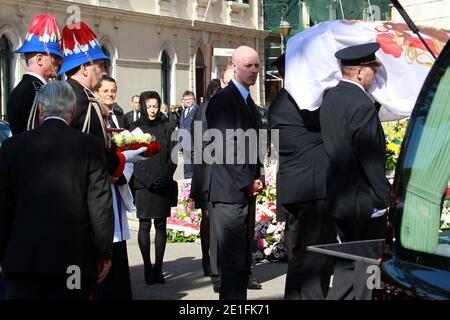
216	287
148	274
253	285
158	277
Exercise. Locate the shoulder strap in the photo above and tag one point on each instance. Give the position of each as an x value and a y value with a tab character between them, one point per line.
93	103
33	116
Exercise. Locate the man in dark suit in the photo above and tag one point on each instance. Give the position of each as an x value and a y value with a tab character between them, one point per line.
55	215
301	192
232	176
357	189
133	115
186	117
42	60
107	94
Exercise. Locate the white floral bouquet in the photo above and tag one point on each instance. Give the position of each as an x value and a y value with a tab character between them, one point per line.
126	140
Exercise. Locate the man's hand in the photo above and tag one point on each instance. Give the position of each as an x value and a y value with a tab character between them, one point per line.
255	188
103	269
134	156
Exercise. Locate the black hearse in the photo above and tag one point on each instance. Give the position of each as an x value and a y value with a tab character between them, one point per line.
416	263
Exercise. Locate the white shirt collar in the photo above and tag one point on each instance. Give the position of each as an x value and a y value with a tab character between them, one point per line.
355	83
56	117
36	76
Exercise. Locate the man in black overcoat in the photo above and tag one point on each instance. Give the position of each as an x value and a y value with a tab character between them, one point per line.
56	220
301	192
357	189
232	184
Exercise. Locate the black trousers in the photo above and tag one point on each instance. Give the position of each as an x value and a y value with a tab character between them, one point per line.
232	229
24	286
308	274
117	284
213	245
350	277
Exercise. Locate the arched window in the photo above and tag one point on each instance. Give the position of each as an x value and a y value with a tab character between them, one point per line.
200	75
5	73
108	62
165	77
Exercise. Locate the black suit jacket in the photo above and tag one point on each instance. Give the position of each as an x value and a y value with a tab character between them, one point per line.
303	162
198	176
118	112
21	101
226	182
129	118
355	144
55	201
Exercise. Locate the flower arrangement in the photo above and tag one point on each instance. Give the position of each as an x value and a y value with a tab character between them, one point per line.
394	132
269	233
126	140
183	224
445	214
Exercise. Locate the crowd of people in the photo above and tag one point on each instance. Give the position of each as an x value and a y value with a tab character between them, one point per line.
66	194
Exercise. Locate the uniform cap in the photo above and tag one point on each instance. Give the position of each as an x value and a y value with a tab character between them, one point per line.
359	55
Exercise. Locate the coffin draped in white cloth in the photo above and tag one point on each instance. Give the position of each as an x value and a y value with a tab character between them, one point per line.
311	66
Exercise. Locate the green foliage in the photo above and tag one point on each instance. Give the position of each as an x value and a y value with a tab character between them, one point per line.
174	236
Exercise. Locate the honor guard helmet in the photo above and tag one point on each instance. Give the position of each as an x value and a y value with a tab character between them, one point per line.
80	46
42	36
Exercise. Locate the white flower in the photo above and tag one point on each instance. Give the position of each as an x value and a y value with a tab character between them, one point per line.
271	229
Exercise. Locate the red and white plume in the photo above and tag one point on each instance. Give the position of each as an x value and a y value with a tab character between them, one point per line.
44	26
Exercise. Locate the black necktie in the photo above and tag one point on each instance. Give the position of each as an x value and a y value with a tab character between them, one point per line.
111	121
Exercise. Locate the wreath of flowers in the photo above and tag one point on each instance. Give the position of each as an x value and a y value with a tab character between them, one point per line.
126	140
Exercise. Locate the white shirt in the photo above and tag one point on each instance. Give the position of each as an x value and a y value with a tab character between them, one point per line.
135	115
355	83
55	117
186	111
114	119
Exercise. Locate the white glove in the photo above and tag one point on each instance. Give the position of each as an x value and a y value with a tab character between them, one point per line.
134	156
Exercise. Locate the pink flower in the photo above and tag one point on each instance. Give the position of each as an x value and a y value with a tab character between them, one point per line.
262	243
186	193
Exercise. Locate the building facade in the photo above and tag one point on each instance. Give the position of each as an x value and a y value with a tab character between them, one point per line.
433	13
165	45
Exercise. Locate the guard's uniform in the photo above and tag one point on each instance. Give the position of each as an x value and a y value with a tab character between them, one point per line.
42	37
22	101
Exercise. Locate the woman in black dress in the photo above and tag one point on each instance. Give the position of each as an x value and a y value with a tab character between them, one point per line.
153	181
